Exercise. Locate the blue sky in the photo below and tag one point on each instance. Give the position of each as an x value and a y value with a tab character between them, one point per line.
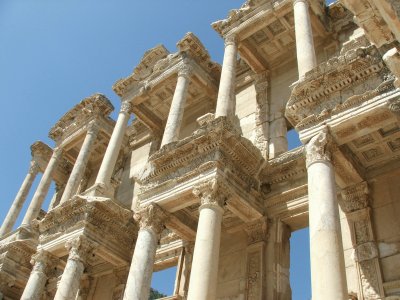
55	53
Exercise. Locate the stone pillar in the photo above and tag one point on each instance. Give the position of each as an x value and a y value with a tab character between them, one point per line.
184	267
306	59
79	250
262	113
366	255
226	92
278	135
392	60
114	146
278	261
19	200
43	264
78	170
255	256
42	189
328	278
175	116
151	221
204	275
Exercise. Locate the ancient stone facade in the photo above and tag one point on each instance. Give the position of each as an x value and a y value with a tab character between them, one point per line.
202	177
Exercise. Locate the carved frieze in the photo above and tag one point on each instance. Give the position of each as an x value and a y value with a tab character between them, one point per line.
257	231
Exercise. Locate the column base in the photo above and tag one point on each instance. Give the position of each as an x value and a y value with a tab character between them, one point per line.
98	192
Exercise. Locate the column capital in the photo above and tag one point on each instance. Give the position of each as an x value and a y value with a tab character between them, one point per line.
212	194
185	70
80	248
126	107
231	39
355	197
44	262
257	231
34	168
319	147
58	152
394	106
93	127
152	217
304	1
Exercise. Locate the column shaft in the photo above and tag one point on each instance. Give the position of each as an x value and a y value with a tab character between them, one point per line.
203	277
226	92
175	116
69	284
328	278
141	270
78	170
114	146
306	59
19	200
42	189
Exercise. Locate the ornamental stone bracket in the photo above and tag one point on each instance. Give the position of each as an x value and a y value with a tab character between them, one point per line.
105	222
214	153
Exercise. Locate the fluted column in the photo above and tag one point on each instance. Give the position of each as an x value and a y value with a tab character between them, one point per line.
43	264
328	278
226	92
78	170
79	250
43	188
19	199
204	274
114	146
175	116
306	59
151	220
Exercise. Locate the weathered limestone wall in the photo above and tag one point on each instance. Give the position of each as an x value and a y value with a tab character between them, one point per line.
232	266
102	287
385	192
189	123
128	189
246	105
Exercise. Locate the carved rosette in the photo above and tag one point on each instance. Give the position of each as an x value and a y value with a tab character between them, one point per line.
126	107
44	262
355	197
319	148
212	194
34	168
80	249
257	231
152	218
185	70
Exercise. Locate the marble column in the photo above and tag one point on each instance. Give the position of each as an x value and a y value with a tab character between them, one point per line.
78	170
43	264
306	59
328	278
151	221
19	199
79	250
175	116
204	274
114	146
226	92
43	188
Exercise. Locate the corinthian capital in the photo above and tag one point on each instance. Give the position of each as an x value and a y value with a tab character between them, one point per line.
126	107
152	217
318	148
80	248
394	107
212	194
44	262
185	70
34	168
230	40
93	127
